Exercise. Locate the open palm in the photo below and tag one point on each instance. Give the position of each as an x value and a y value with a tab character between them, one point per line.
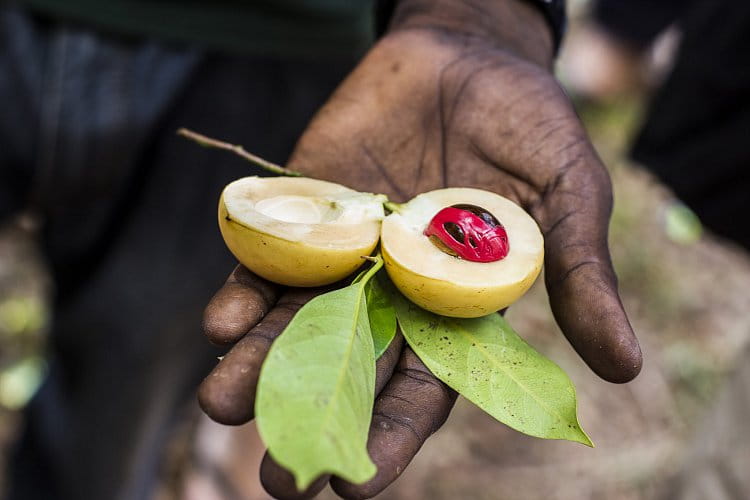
426	110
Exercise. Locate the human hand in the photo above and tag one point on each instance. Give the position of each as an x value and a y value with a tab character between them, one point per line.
451	96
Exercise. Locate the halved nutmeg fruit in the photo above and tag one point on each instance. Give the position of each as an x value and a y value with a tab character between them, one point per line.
462	252
299	231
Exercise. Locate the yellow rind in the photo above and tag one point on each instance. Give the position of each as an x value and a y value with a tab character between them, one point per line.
450	286
289	263
450	299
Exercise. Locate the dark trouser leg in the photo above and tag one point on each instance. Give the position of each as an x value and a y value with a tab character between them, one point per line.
698	123
131	234
638	22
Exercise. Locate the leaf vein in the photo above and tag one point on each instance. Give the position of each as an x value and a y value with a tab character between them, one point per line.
491	359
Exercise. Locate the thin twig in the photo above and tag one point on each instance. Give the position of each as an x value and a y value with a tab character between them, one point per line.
208	142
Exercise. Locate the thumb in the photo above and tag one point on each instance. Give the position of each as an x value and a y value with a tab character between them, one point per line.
582	285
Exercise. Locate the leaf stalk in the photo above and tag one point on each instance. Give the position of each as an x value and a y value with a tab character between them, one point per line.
209	142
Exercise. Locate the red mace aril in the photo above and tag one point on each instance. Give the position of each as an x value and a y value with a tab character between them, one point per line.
468	232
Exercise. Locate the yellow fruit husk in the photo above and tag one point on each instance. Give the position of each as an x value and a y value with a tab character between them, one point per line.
447	285
299	253
290	263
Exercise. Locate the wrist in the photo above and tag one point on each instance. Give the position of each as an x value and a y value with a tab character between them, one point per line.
516	26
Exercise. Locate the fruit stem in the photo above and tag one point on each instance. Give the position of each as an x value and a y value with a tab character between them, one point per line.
393	207
209	142
377	263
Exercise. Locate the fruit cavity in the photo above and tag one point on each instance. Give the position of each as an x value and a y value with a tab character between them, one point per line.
438	281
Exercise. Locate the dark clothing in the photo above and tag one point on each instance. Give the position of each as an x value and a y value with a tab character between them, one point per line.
695	138
697	130
129	226
695	134
312	28
639	22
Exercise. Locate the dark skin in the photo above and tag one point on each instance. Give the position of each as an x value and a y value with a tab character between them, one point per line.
457	93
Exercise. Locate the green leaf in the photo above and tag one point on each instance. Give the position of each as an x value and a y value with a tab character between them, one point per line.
491	366
317	386
359	277
682	224
382	316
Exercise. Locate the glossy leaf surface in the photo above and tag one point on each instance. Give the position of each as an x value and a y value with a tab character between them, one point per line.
316	388
382	316
491	366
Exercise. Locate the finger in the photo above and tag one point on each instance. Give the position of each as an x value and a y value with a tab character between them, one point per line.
277	481
387	362
227	394
238	306
412	406
582	285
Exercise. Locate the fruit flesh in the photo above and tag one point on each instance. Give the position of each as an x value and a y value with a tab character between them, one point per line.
294	208
455	287
298	231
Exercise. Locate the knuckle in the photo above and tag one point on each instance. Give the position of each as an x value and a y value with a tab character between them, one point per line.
221	405
232	312
388	421
222	331
227	394
349	491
